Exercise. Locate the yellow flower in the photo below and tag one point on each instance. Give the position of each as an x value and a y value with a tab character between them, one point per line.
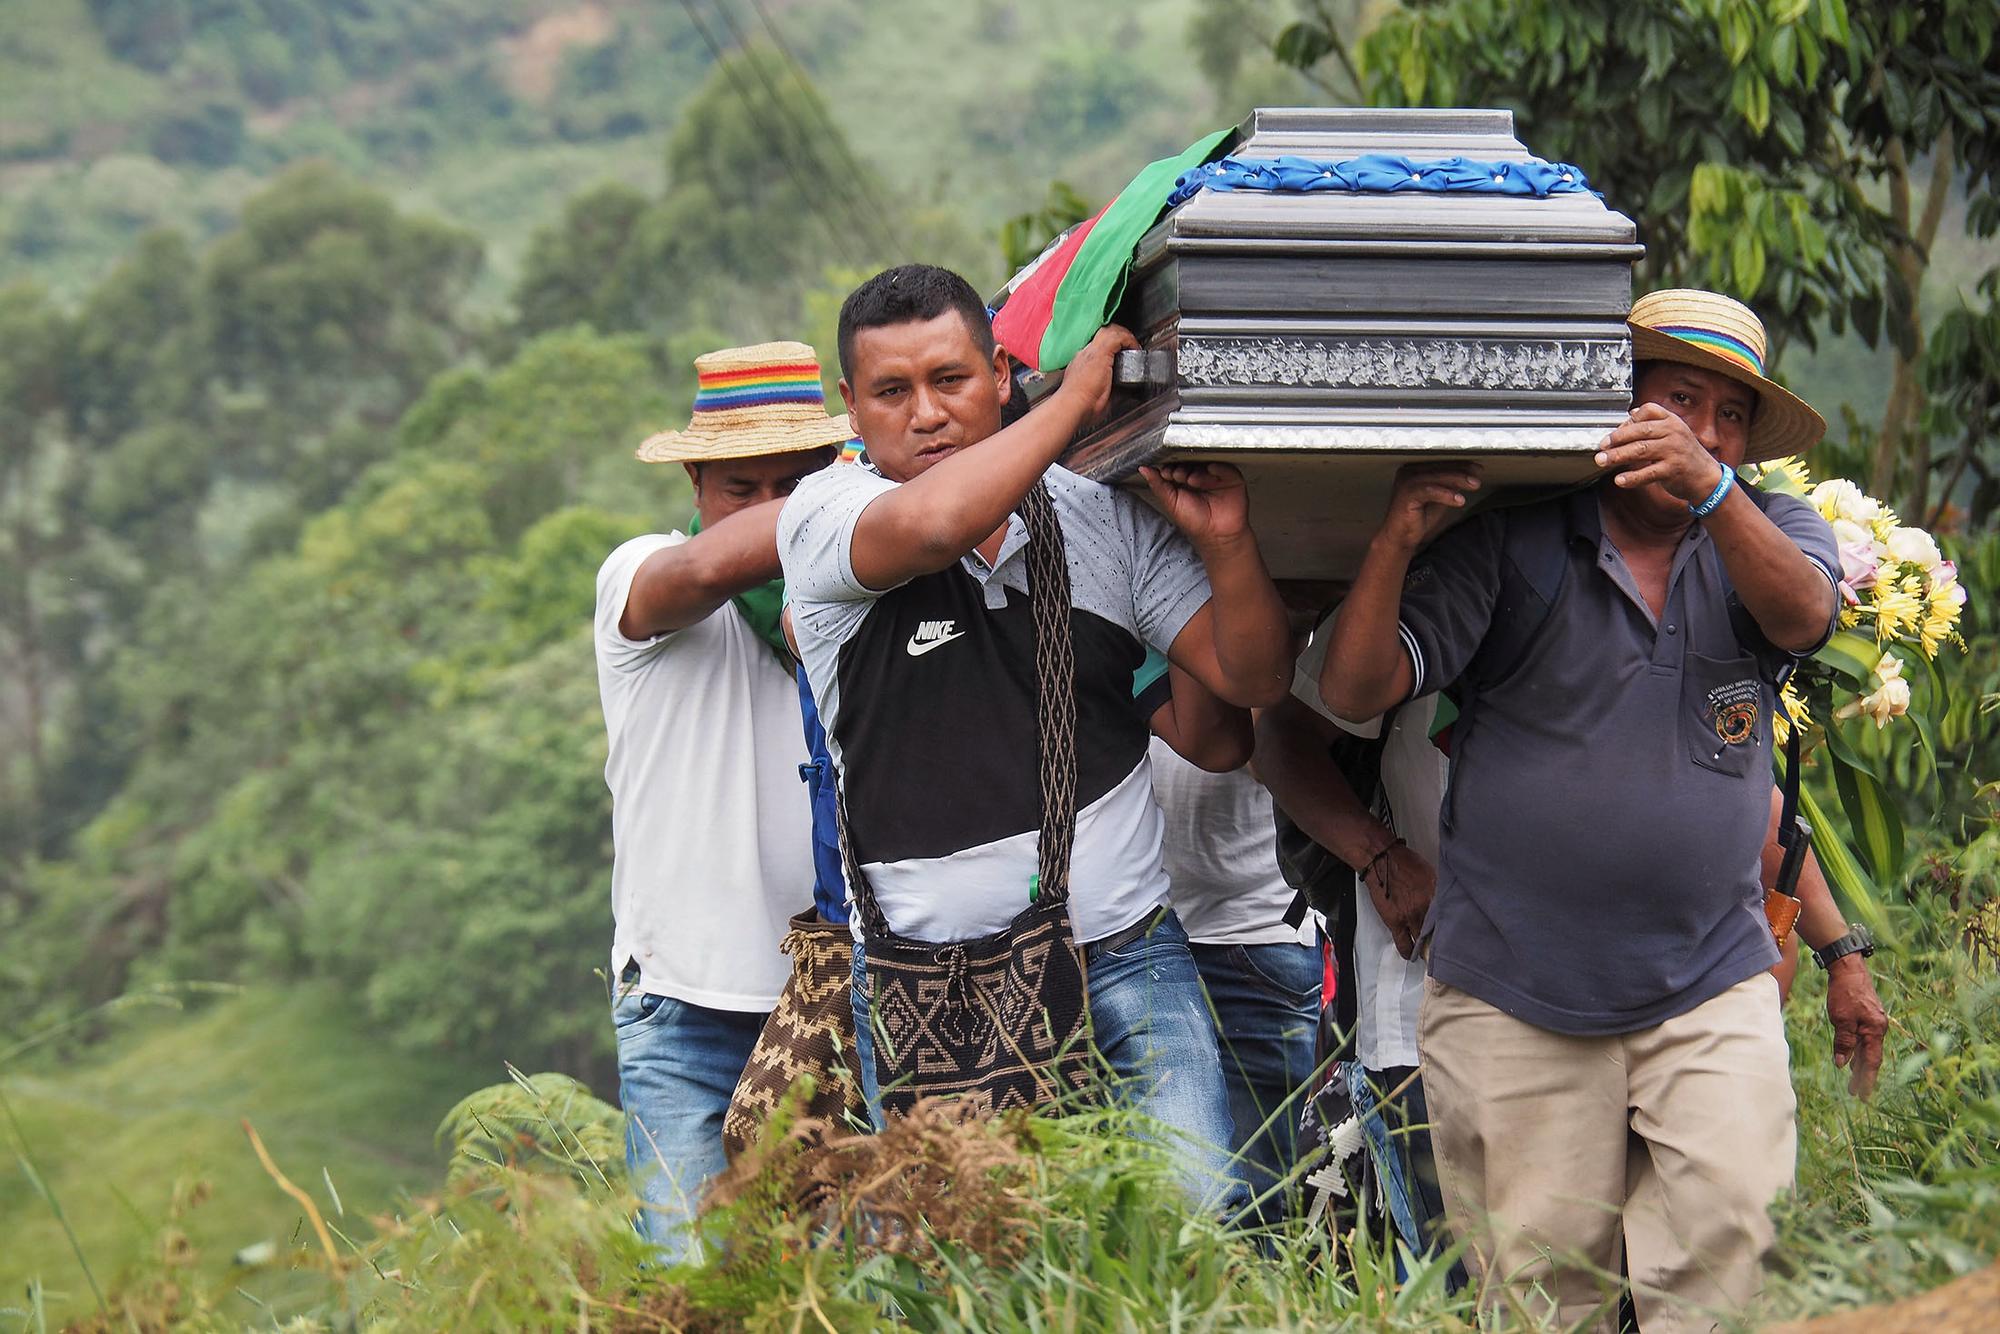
1787	475
1941	610
1793	712
1897	608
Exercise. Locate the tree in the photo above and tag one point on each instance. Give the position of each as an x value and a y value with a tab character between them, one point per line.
37	528
763	195
1796	153
575	270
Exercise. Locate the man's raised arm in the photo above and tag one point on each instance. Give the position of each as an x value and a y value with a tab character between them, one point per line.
1239	644
681	585
1367	669
951	507
1788	593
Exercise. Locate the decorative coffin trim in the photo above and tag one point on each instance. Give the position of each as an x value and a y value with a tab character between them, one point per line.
1546	365
1468	440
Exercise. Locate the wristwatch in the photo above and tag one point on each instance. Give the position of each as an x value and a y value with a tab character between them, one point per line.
1857	941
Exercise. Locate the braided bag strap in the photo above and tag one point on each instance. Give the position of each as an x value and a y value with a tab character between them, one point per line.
1055	690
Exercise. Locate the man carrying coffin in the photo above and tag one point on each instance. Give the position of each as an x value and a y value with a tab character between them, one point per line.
711	833
1600	1032
913	605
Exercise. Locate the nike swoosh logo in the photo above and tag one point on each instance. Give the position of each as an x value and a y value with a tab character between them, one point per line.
918	650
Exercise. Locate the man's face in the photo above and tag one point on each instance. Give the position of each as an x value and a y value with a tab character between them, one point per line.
923	391
725	486
1716	409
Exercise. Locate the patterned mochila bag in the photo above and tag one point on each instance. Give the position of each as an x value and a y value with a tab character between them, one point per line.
1001	1021
811	1032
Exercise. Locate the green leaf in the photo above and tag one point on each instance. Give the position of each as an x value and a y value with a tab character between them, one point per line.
1844	875
1659	43
1896	100
1410	73
1809	56
1873	818
1781	54
1302	44
1843	747
1853	656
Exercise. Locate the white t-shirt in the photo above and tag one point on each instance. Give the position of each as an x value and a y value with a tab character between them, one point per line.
1388	988
709	820
1221	855
927	695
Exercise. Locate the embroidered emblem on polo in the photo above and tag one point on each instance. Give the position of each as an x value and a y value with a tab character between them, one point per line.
1732	711
930	635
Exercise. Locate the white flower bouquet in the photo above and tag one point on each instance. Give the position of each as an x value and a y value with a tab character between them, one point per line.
1900	606
1896	588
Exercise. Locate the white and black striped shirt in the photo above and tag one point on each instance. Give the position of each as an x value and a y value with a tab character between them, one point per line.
927	694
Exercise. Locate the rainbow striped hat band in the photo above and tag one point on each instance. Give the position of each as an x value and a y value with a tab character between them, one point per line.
1720	334
764	399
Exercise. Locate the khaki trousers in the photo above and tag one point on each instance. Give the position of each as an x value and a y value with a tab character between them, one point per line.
1549	1147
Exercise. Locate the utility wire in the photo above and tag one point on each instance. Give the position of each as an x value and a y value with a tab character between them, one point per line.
838	186
800	178
864	184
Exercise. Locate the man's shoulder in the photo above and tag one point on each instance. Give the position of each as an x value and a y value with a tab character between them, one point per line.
628	555
836	484
1096	502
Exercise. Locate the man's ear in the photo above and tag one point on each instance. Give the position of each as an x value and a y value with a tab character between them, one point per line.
694	479
1003	372
847	395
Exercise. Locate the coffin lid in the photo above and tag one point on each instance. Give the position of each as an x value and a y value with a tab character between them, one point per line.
1335	134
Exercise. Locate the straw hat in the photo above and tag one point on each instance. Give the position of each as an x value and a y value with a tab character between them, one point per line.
1719	334
752	400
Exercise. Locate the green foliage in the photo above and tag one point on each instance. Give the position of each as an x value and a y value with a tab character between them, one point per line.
576	270
325	285
760	188
1901	1193
547	1121
1025	236
1024	1224
133	1140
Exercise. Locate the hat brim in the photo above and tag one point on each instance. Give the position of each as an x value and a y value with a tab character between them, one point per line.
745	441
1784	425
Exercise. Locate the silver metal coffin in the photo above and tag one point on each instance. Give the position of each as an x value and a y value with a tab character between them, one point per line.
1320	340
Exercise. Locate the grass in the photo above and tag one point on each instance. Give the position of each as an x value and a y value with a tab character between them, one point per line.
1027	1225
154	1117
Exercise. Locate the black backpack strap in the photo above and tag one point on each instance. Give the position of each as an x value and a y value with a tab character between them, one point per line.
1776	667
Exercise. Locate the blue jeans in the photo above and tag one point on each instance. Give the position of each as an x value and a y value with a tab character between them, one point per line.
1399	1143
1266	1004
677	1067
1149	1022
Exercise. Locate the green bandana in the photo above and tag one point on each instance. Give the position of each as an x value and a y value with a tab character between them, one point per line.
761	607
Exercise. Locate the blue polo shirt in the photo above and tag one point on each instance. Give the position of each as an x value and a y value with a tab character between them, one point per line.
1599	865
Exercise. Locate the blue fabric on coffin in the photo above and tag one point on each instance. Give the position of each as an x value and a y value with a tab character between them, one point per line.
1378	173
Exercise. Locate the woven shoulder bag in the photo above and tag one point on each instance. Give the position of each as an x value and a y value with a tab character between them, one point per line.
1003	1020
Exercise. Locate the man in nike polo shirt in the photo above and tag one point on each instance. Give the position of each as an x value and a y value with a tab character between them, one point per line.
908	579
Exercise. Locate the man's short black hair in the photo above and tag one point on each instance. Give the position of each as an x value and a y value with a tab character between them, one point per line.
907	294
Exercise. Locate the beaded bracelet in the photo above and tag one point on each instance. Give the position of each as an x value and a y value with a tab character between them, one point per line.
1715	497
